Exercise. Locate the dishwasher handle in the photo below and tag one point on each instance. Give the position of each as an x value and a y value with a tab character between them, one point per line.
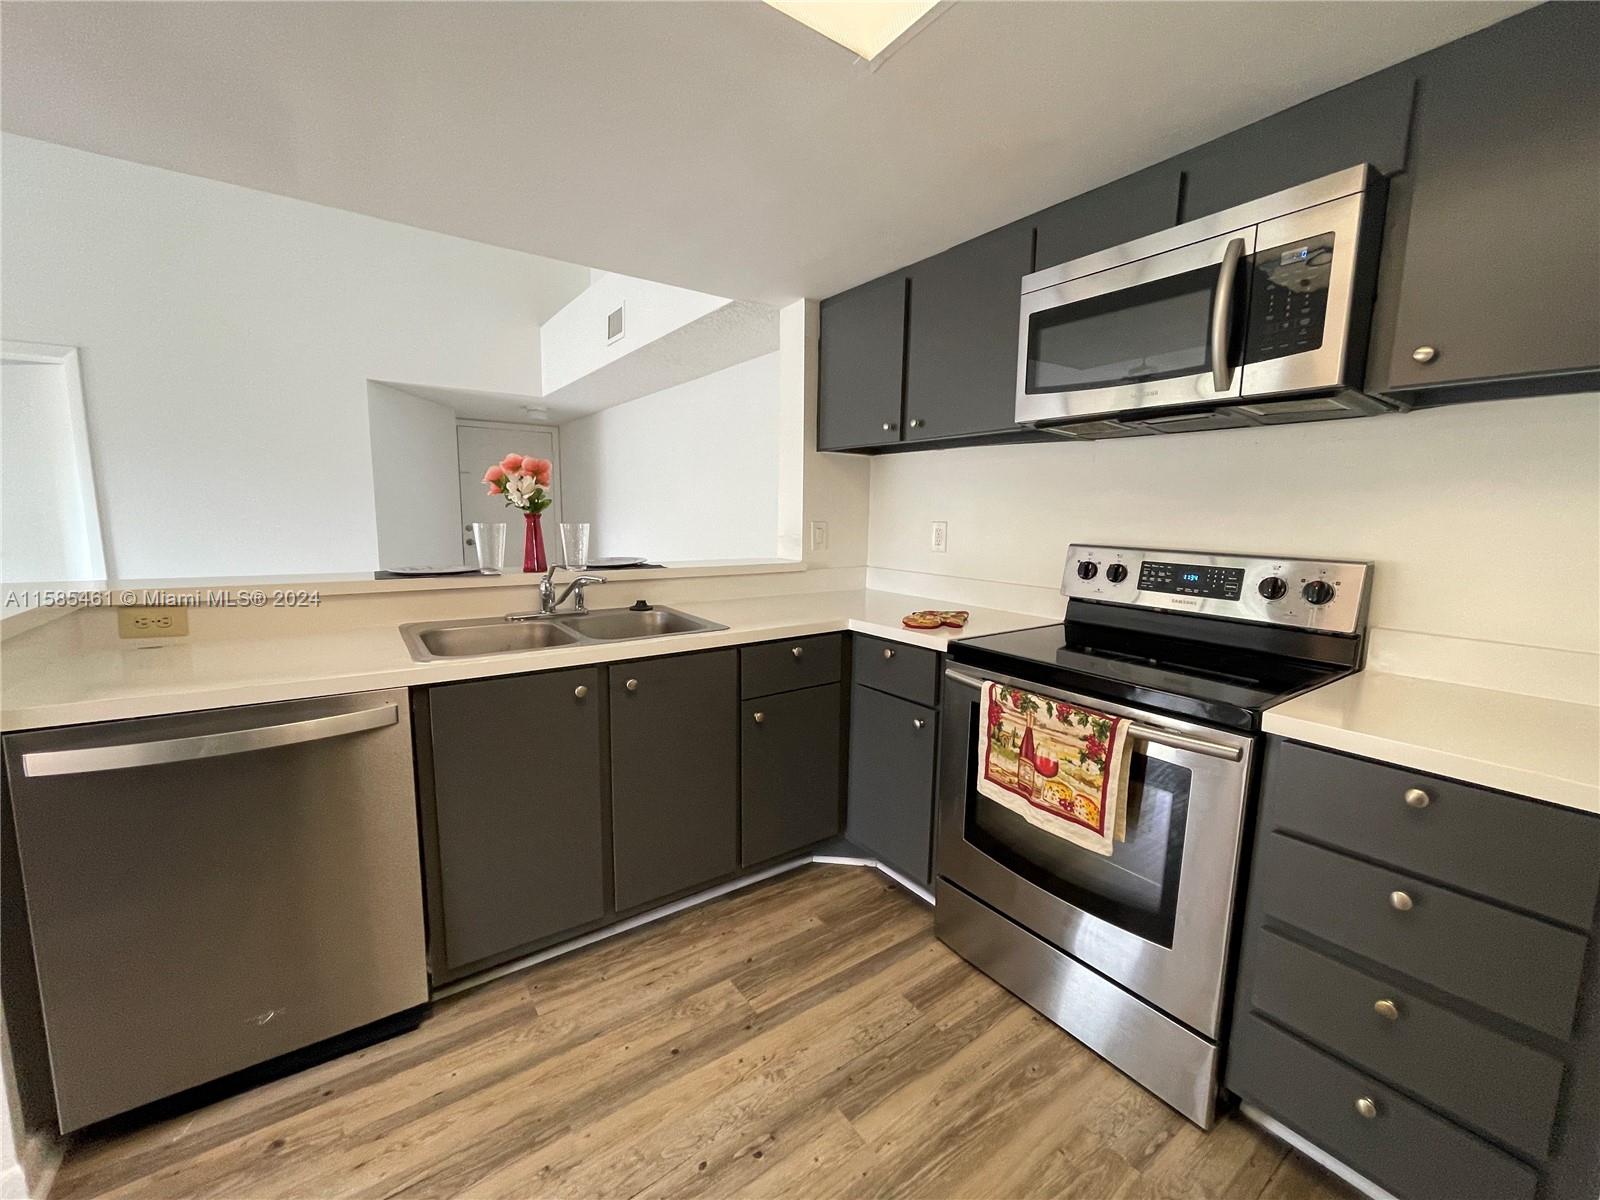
91	759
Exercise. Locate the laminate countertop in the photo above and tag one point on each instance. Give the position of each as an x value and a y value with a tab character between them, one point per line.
49	679
1545	749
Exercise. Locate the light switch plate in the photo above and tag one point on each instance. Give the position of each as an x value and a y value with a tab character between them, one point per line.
819	535
940	541
166	620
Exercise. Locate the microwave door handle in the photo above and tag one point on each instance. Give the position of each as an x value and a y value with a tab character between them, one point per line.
1222	315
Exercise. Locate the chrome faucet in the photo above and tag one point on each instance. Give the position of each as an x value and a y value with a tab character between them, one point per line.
550	602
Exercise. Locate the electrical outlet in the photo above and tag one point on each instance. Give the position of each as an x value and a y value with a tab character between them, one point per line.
819	535
160	621
940	542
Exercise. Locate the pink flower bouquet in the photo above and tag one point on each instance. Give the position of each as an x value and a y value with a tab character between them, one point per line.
523	481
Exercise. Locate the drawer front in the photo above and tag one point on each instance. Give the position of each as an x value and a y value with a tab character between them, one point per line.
1509	964
1502	1087
787	666
1517	851
906	671
1402	1146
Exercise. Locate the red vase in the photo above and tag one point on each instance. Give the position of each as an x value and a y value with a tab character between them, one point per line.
533	546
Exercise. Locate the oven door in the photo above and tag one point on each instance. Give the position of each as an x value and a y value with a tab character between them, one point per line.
1153	332
1155	915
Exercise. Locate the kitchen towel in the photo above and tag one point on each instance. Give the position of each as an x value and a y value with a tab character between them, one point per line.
1061	768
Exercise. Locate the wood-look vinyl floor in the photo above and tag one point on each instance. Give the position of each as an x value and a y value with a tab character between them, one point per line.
807	1037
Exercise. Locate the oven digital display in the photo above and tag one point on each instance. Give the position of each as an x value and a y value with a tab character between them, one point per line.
1189	579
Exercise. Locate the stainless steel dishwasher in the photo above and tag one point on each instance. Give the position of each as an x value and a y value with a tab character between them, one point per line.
210	890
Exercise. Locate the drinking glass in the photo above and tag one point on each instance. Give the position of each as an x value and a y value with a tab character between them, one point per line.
489	539
575	545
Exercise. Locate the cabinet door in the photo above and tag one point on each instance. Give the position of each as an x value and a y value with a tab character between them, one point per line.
674	774
517	798
789	771
892	744
1495	231
1367	121
961	336
860	357
1141	203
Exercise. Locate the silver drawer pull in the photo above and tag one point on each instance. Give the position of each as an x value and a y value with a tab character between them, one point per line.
888	654
759	717
1417	798
1387	1009
580	691
632	685
798	651
1367	1107
1400	901
209	745
917	722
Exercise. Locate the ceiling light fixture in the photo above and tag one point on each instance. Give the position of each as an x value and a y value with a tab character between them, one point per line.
868	28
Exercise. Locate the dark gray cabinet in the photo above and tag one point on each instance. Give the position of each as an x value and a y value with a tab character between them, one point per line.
1141	203
1363	122
674	774
961	336
1403	999
860	360
513	784
893	744
789	771
1489	264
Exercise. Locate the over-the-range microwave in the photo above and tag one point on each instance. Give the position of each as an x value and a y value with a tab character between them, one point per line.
1255	315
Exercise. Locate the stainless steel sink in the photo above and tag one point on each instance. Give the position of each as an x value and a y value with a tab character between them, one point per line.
429	641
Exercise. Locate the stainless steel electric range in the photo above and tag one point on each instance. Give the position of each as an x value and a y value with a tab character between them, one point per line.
1129	953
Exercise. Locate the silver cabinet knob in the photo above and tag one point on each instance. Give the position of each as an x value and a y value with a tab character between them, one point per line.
632	685
1424	354
917	422
888	426
798	651
1367	1107
759	717
917	722
580	691
888	654
1400	901
1417	798
1387	1009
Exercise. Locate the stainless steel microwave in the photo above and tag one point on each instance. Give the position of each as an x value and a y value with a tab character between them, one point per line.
1258	314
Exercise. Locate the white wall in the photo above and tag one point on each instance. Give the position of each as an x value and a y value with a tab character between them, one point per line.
227	338
1483	519
416	481
685	474
573	341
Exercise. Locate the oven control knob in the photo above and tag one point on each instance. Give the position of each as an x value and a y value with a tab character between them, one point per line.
1116	573
1087	570
1272	587
1318	591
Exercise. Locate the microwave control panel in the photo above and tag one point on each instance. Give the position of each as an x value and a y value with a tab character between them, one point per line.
1288	305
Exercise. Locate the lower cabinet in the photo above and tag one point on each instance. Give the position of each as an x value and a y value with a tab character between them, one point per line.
674	774
892	758
516	813
789	772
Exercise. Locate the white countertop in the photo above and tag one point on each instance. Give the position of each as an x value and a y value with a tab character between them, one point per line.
1546	749
47	682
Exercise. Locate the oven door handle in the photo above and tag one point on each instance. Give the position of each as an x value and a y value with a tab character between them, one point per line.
1145	733
1222	315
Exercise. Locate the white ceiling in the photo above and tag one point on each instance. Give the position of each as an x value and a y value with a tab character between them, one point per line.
716	146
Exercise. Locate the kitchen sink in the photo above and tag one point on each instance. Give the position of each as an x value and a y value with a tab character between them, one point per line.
429	641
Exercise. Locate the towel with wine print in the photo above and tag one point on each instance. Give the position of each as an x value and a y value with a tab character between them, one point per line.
1061	768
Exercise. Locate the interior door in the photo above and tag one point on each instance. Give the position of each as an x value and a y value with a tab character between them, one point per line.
478	444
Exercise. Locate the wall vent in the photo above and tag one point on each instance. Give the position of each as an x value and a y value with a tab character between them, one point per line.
614	325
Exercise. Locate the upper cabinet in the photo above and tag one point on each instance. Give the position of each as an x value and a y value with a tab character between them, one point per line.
1488	283
1363	122
1142	203
860	362
961	336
